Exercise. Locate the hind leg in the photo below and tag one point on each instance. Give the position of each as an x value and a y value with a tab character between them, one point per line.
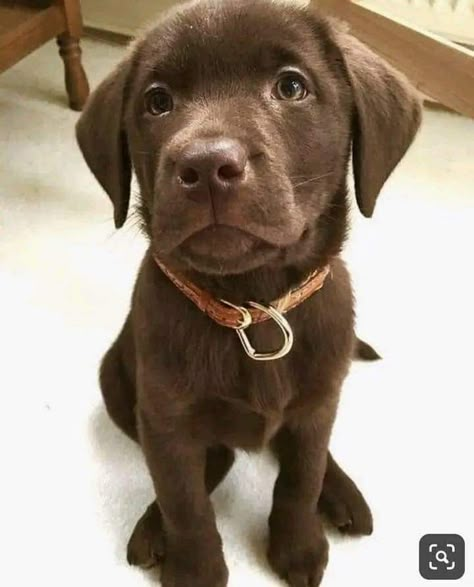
147	543
117	382
342	502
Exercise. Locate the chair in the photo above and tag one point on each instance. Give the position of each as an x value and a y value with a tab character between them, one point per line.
25	25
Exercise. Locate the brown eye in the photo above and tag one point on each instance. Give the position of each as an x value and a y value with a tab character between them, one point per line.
158	101
290	87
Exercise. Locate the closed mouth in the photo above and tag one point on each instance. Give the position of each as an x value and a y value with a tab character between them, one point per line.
223	242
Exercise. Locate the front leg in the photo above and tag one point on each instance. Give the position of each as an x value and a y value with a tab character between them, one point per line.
298	548
193	548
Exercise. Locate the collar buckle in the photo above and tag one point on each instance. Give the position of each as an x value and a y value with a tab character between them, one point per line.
247	320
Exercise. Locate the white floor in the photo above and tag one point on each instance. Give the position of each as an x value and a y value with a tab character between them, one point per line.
73	487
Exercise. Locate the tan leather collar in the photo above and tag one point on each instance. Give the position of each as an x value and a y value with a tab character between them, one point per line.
230	316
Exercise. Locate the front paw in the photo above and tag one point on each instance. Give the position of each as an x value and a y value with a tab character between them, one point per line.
186	561
194	566
298	549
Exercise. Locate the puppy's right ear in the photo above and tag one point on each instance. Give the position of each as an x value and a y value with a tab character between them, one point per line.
102	139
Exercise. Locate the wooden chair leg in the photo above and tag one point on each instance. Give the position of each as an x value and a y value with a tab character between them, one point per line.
70	50
77	85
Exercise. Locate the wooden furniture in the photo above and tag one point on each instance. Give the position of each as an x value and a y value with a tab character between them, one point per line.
26	24
440	69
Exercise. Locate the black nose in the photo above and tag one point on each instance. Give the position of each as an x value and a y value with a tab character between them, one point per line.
216	166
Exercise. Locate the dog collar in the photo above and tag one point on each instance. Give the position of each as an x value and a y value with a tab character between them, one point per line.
239	318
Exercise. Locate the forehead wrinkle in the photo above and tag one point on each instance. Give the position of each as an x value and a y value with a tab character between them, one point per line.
199	51
212	24
237	66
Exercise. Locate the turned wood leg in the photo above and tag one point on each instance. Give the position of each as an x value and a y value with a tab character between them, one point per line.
77	85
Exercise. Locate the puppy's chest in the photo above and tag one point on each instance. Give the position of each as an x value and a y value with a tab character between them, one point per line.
238	401
246	414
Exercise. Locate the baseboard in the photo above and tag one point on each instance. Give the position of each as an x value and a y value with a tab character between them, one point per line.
107	36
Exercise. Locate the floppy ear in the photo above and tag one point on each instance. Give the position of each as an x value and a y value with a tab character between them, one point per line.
103	142
386	117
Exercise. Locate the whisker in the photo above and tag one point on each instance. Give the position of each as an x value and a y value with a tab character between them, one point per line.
312	179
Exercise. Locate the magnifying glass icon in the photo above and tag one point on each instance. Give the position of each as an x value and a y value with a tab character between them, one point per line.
442	557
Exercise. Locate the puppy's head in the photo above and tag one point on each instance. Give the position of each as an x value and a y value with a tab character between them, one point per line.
238	119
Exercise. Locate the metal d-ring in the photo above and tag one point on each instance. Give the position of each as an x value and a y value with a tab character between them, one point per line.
277	317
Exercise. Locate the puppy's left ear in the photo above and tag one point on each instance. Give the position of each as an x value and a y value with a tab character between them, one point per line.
387	115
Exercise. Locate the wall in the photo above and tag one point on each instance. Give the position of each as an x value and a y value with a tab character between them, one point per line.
451	18
122	16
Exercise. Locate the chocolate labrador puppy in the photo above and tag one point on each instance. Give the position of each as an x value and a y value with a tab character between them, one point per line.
239	119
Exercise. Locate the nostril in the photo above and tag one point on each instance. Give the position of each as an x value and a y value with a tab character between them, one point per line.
189	176
229	171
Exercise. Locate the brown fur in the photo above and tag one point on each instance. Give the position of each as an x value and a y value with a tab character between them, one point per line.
177	382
